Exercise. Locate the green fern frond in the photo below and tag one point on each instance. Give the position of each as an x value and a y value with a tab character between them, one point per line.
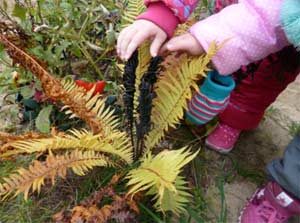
171	201
173	89
34	177
133	9
160	174
115	143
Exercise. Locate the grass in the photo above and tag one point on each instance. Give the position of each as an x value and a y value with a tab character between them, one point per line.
294	128
270	111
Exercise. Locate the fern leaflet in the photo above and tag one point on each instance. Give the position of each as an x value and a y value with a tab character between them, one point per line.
33	178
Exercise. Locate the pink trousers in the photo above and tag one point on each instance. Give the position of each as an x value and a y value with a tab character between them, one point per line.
254	94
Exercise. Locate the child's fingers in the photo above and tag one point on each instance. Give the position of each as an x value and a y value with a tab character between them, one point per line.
163	50
186	43
135	42
120	39
158	41
126	39
178	43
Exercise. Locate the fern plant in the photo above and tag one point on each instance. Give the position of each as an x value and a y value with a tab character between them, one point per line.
160	174
105	143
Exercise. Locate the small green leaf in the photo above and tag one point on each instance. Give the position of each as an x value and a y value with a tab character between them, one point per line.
111	35
1	48
38	85
195	215
76	50
38	37
27	92
60	48
5	6
20	12
37	51
42	122
30	104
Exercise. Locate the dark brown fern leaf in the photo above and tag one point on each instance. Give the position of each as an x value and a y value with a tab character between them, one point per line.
145	103
52	86
129	85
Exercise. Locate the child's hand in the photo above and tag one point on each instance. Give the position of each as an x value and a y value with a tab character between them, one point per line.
134	35
186	43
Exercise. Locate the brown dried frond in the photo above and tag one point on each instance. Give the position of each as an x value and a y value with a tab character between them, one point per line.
121	208
7	140
6	137
52	86
91	214
14	32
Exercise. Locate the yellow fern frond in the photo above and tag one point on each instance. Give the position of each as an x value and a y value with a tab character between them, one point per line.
173	89
115	143
132	10
184	27
159	174
34	177
170	201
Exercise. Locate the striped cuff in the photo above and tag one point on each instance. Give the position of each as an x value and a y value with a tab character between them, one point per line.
212	98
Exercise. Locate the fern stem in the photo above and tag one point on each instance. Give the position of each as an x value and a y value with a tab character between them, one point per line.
90	59
155	218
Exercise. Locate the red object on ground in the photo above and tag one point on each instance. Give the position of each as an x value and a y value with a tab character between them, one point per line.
99	86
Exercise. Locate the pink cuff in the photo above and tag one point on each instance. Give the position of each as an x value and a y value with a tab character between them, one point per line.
161	15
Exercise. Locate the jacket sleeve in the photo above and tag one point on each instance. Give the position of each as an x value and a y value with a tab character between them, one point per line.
168	13
252	27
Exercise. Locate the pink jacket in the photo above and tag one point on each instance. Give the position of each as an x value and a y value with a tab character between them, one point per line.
253	27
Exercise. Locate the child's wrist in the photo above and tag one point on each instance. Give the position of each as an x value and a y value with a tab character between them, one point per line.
162	16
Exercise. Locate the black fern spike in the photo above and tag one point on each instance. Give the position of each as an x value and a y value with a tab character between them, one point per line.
129	84
145	102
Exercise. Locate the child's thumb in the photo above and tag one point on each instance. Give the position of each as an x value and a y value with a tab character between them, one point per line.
178	44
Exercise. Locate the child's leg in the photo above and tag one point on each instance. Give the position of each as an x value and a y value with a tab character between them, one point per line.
211	98
253	95
249	101
286	171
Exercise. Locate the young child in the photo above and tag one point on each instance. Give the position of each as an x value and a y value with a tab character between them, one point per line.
257	28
